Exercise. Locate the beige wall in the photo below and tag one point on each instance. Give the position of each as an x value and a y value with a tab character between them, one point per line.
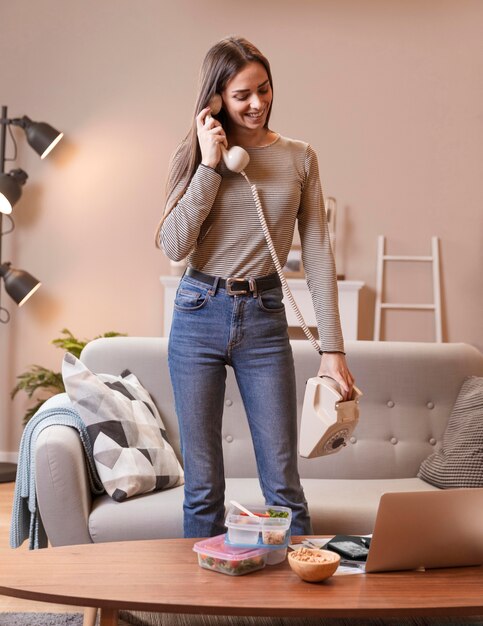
389	93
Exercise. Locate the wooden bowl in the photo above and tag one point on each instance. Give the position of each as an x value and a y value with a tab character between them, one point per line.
321	564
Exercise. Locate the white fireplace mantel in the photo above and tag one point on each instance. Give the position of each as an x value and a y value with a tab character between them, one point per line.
348	303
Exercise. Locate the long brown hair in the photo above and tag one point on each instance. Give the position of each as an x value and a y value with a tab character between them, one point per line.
223	60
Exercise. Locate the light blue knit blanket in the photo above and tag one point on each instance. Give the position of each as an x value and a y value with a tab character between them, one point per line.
26	521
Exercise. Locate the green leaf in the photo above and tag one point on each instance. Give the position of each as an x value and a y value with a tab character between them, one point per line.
274	513
38	377
45	382
69	343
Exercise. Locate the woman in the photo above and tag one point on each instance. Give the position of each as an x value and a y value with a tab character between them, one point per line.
228	307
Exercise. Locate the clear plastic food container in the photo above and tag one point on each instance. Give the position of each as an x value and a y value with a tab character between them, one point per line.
265	530
215	554
274	557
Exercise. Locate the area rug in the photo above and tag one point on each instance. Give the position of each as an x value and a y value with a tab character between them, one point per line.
164	619
135	618
44	619
41	619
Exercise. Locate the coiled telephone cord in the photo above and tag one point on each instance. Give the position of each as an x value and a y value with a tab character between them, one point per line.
278	267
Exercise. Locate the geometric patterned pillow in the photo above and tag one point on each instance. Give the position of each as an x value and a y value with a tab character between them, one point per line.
459	462
131	449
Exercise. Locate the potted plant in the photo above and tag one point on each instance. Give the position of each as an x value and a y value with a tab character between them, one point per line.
44	382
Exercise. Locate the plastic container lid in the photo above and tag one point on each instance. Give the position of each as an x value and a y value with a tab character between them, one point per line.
217	548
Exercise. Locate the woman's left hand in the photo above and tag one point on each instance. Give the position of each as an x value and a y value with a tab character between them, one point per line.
333	364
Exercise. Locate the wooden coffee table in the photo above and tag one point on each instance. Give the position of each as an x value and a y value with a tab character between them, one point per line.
164	576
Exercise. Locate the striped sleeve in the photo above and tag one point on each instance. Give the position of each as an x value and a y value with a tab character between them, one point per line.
181	228
317	257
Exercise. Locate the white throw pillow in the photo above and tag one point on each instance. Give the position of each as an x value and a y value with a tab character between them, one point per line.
131	449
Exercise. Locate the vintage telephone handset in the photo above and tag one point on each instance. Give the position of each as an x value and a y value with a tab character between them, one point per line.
236	159
327	421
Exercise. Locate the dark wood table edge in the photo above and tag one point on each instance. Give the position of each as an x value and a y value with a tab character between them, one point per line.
237	611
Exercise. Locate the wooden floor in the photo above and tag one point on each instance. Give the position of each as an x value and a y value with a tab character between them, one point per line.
15	605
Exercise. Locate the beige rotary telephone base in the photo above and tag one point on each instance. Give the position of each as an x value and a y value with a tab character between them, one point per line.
327	420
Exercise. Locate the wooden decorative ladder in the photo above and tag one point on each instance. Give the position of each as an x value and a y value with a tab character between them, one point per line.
435	306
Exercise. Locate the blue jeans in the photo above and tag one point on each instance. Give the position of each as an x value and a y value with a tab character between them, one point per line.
210	330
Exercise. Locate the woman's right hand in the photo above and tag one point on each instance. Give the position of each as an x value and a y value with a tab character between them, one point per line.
210	136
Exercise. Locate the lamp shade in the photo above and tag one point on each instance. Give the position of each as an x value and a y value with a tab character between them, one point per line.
10	192
11	189
19	285
41	137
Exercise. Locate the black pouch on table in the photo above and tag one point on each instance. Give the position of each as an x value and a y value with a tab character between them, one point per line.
350	547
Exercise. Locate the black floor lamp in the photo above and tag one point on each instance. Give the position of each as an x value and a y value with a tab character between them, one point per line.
19	285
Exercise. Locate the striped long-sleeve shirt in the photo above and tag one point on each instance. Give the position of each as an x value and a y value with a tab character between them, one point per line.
216	226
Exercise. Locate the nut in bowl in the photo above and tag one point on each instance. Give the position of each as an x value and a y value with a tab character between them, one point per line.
313	565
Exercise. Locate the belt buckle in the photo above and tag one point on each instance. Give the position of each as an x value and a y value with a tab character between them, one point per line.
230	281
252	286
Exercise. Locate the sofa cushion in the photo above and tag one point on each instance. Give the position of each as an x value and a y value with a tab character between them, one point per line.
131	449
336	507
348	506
459	462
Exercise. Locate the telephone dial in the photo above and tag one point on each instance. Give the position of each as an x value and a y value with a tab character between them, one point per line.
327	420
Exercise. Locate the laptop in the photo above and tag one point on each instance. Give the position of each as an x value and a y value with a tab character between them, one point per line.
427	529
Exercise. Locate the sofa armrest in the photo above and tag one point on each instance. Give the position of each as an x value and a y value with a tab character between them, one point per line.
63	492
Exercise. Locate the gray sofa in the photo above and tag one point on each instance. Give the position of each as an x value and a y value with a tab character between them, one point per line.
409	390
